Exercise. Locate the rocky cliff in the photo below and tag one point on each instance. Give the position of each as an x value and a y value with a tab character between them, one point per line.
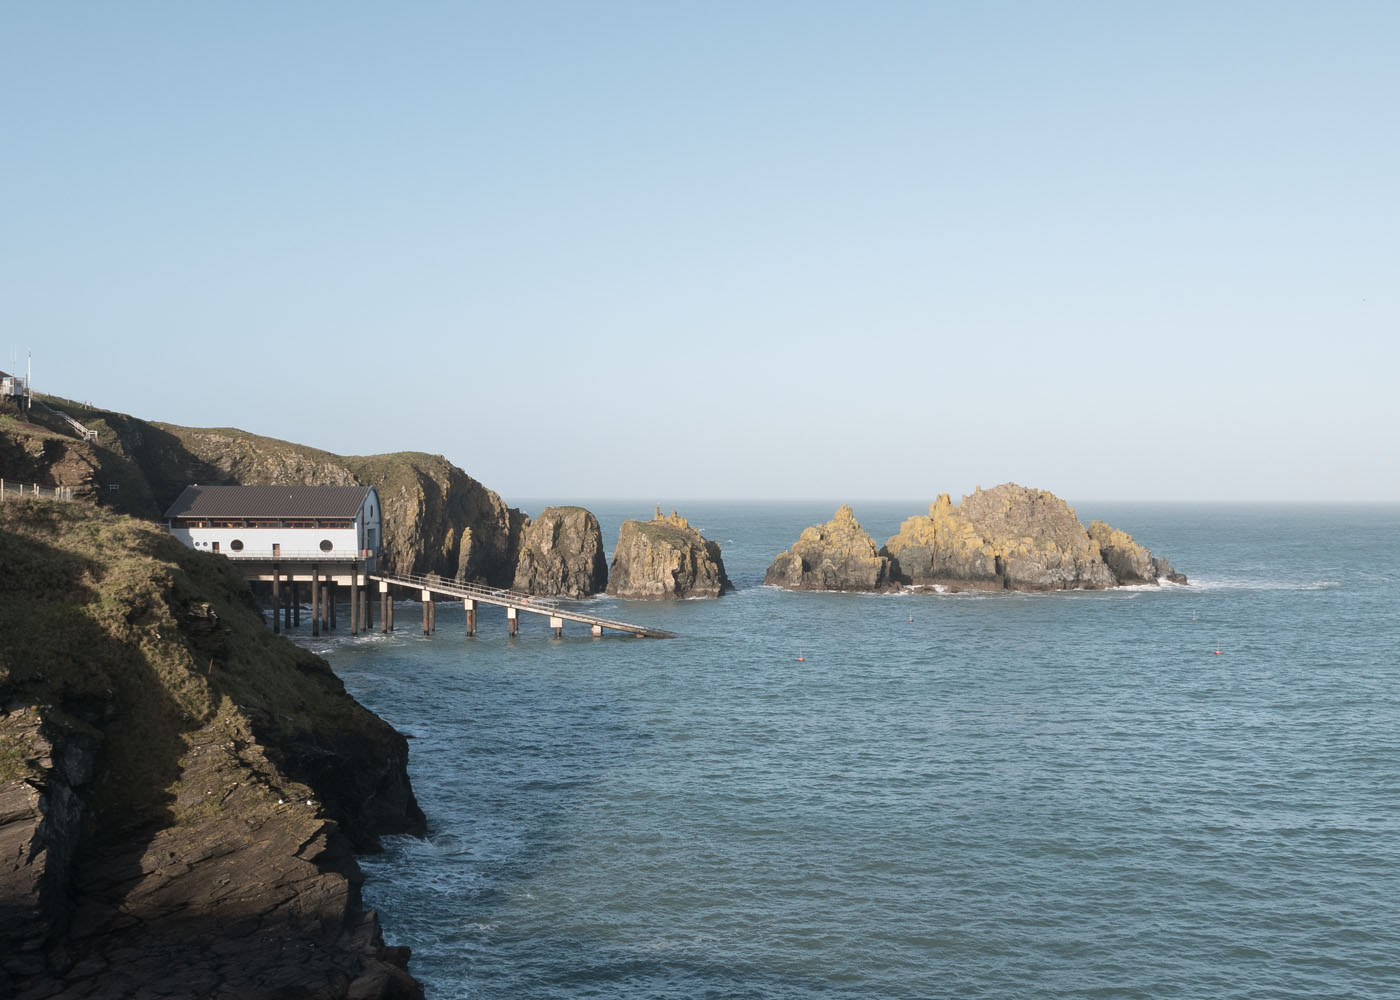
437	519
1010	537
561	554
181	791
838	555
665	558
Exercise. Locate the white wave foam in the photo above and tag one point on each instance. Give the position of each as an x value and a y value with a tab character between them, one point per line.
1242	583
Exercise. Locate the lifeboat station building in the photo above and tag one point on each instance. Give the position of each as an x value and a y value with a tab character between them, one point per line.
297	538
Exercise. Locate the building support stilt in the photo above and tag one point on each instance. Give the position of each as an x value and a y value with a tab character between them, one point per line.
427	610
597	631
513	621
470	606
383	607
330	603
354	600
558	625
276	599
315	599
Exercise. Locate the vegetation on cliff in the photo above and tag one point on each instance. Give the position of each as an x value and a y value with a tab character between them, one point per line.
179	788
437	519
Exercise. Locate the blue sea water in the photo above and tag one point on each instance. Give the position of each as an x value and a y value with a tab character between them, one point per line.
973	795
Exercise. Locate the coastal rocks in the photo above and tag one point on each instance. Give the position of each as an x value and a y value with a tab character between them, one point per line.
838	555
561	554
181	792
665	558
1008	537
1130	562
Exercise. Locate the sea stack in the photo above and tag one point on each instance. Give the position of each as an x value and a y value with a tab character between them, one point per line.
665	558
838	555
1014	538
561	554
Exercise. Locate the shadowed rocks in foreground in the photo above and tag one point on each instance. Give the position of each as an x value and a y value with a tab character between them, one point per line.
181	791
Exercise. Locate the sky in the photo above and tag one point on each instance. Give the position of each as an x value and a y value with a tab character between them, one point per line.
859	250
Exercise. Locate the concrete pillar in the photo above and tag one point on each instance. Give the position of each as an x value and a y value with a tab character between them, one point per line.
432	616
383	606
315	599
470	606
354	600
427	610
296	604
366	620
276	599
287	602
513	621
330	602
558	625
597	631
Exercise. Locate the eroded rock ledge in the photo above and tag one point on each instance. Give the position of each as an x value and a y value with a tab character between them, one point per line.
181	792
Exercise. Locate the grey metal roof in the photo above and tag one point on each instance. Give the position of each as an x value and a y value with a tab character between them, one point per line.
269	501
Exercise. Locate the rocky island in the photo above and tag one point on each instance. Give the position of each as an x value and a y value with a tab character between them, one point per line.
665	558
1005	538
838	555
561	554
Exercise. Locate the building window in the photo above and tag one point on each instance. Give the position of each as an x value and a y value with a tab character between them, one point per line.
236	545
326	545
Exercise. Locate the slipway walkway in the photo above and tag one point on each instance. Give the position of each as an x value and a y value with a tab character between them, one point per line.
471	594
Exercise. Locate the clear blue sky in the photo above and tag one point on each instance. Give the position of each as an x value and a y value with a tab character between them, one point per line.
1120	250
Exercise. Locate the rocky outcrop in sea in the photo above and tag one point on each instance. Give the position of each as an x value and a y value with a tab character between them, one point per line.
1013	538
665	558
561	554
838	555
181	792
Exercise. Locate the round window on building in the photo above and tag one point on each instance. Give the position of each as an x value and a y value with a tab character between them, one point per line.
236	545
326	545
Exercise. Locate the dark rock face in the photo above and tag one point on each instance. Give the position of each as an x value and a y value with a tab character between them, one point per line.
181	792
1130	562
665	558
561	554
1014	538
838	555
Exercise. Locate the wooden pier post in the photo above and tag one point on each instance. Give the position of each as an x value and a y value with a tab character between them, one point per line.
296	604
366	605
287	603
330	602
470	607
513	621
315	598
354	600
427	610
383	606
558	625
432	616
276	599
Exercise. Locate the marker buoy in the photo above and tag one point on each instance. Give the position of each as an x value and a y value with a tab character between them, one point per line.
802	659
1217	652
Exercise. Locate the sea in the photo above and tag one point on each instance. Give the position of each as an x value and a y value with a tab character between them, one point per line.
1175	791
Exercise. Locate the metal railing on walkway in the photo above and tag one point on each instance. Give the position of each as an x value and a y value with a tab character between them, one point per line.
515	599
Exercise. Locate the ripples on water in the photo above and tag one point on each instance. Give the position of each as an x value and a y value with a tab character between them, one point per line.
1066	795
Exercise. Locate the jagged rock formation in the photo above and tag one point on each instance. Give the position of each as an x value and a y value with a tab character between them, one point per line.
180	790
1128	561
838	555
437	519
665	558
1008	537
561	554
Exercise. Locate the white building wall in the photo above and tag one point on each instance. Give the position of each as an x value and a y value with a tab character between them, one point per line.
258	542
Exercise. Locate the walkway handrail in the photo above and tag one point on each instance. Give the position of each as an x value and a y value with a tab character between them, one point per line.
514	599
